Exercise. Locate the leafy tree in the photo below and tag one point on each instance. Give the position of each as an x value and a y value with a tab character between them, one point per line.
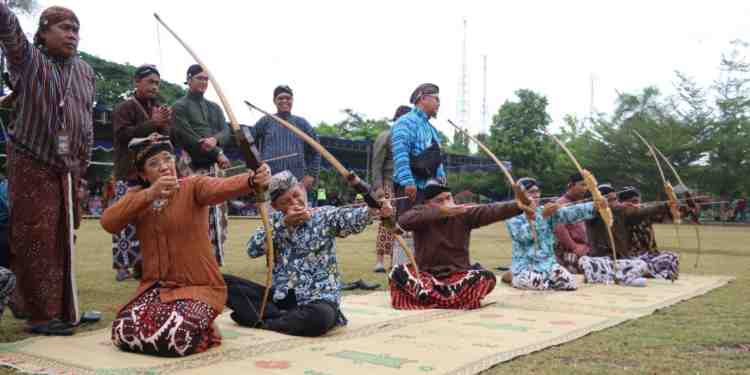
729	155
26	6
517	134
355	127
114	82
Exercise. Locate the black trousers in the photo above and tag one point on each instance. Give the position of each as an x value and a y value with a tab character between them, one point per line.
244	297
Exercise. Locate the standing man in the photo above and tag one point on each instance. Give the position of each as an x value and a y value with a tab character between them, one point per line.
275	141
49	149
137	117
416	147
572	240
201	130
382	182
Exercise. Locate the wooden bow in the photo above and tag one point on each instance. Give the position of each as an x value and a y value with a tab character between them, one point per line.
521	199
593	187
689	197
356	182
252	160
674	207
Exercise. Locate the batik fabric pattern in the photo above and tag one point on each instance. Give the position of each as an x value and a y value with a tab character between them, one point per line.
40	253
218	220
600	270
462	290
7	285
172	329
384	245
661	264
126	249
306	254
558	278
539	259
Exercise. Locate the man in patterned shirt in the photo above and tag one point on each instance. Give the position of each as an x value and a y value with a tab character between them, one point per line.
305	297
534	262
49	149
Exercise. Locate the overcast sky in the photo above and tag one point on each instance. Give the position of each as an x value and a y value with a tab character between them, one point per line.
370	55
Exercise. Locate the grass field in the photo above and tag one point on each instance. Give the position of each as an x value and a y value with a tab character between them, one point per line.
706	335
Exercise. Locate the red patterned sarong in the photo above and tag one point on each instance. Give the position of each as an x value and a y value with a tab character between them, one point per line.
463	290
173	329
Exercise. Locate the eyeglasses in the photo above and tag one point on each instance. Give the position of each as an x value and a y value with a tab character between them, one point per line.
201	78
156	163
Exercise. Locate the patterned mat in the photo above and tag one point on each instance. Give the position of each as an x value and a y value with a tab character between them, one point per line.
379	339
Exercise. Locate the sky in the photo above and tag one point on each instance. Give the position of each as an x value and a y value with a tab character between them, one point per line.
369	56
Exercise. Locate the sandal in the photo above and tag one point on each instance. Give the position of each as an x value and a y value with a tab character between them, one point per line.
54	327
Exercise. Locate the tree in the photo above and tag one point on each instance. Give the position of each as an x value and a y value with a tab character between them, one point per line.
114	82
729	155
460	144
517	134
26	6
355	127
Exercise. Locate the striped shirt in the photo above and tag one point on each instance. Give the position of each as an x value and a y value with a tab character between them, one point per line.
275	141
411	134
53	94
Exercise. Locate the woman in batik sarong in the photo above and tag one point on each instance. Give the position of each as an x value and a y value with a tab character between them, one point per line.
182	290
442	232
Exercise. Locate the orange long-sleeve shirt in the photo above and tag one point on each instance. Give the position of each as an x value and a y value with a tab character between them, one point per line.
176	250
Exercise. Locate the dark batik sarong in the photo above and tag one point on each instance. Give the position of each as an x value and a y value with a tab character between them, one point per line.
7	284
661	264
41	254
126	249
172	329
462	290
384	245
217	215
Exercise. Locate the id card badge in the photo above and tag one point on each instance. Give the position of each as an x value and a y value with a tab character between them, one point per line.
63	143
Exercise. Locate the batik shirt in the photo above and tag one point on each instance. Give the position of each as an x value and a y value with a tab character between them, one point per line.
306	260
410	136
541	257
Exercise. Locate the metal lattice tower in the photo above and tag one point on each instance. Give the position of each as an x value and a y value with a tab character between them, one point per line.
462	103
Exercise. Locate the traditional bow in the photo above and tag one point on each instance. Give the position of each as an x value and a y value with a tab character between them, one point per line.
252	159
593	187
521	199
356	182
668	189
671	195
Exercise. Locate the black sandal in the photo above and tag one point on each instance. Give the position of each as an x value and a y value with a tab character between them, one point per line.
54	327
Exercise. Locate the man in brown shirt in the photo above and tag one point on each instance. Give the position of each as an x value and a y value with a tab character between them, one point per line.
182	290
138	116
442	231
598	266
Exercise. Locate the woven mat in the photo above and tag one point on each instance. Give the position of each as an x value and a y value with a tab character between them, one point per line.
379	339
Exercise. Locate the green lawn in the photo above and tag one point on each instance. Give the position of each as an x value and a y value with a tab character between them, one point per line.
706	335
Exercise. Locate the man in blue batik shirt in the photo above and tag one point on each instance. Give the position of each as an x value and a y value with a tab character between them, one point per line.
305	297
412	138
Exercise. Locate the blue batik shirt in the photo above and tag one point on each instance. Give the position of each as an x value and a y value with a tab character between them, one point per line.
410	136
541	259
306	260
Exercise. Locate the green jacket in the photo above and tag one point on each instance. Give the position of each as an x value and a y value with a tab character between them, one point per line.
196	118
